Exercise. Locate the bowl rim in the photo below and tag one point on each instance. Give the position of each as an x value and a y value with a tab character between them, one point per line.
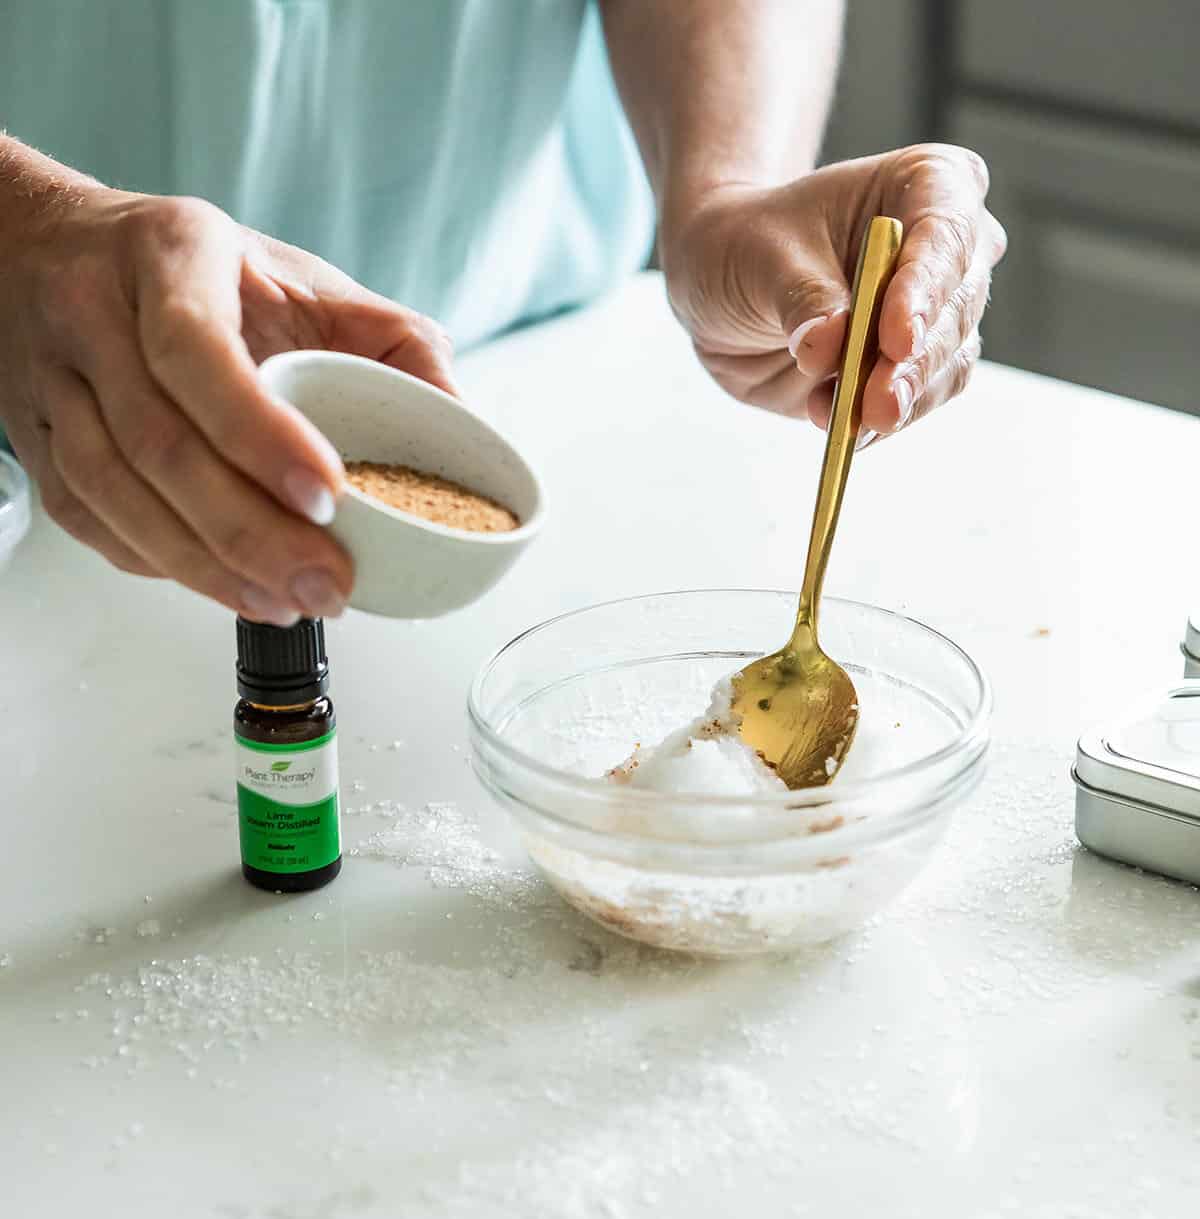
15	514
526	529
974	732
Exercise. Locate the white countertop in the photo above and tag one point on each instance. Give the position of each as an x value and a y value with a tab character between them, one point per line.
435	1034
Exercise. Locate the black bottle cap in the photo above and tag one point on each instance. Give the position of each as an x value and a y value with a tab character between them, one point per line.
280	666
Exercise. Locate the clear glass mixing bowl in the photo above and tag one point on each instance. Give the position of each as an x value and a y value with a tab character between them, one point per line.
723	875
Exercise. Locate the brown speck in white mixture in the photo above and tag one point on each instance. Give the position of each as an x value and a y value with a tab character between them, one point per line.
823	827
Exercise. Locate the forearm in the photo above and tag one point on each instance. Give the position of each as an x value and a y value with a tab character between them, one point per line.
723	92
33	188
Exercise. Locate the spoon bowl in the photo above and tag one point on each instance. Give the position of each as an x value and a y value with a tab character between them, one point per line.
801	711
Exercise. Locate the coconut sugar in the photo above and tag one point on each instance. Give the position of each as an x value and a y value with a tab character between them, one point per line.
429	496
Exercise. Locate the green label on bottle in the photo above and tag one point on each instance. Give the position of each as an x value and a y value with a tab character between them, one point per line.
288	804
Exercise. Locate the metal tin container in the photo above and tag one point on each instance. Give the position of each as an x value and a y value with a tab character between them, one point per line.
1138	786
1191	646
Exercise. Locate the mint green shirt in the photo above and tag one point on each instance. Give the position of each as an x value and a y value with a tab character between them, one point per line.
467	158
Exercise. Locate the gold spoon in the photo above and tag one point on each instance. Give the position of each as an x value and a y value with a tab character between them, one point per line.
797	708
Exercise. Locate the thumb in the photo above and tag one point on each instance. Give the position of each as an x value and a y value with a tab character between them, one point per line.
814	302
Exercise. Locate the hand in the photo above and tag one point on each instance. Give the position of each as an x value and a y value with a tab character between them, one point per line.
130	329
761	279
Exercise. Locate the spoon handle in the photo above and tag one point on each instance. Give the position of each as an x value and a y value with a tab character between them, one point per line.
876	262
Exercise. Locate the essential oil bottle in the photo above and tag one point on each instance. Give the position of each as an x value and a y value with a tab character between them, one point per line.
285	736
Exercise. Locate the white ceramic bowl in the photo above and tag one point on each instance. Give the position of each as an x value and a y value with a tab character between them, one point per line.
408	567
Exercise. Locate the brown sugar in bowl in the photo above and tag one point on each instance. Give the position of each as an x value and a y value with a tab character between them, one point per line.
430	496
407	565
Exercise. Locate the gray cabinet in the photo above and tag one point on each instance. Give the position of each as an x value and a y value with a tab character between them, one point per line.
1134	58
1102	281
1088	113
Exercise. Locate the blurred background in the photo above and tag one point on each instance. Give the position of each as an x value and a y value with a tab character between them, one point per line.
1088	114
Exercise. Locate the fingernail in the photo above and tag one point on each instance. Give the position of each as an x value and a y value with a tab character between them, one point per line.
904	396
309	495
259	605
797	337
317	594
865	438
918	335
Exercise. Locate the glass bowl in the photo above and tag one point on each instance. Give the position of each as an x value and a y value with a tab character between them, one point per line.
14	506
552	711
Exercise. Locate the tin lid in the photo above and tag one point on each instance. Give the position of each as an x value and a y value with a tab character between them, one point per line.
1153	757
1191	640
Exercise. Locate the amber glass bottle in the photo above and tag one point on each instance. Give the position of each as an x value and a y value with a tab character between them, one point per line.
285	735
